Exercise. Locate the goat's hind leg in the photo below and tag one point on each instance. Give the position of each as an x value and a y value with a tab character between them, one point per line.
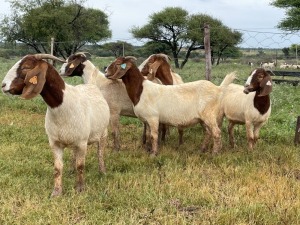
101	148
115	126
207	138
231	134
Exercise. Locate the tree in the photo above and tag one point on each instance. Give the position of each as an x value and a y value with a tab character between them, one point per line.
292	21
182	32
153	47
168	27
286	52
118	48
221	36
35	22
295	49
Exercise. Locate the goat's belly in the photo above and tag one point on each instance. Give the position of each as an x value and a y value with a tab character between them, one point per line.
181	123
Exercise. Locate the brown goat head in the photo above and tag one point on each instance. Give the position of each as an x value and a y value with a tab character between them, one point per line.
259	81
26	78
119	67
158	66
74	66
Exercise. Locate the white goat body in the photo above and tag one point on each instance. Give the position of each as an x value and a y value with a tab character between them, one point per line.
268	65
239	107
252	109
76	115
187	105
81	118
177	105
114	91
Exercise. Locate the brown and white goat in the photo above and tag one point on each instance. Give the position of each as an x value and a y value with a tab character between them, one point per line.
76	115
158	66
176	105
249	105
114	91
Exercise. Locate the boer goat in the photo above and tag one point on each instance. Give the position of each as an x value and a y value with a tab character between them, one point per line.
176	105
114	91
249	105
76	115
158	66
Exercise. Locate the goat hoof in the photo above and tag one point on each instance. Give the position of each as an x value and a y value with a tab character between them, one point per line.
203	149
56	192
153	154
102	170
80	188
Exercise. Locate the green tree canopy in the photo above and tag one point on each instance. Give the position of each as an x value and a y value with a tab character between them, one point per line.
118	48
182	32
292	21
35	22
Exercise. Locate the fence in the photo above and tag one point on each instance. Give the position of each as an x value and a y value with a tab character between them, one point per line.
256	45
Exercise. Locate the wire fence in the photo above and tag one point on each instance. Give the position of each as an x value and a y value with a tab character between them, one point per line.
256	46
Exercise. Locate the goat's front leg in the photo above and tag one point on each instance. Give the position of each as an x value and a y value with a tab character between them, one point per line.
154	136
80	153
256	130
57	150
250	135
147	137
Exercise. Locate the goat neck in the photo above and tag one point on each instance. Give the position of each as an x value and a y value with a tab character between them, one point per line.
133	81
262	103
163	73
52	92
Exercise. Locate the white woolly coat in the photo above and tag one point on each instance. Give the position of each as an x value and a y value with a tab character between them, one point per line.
114	91
178	105
82	117
239	107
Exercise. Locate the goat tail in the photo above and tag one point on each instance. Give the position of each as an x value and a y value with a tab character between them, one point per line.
229	78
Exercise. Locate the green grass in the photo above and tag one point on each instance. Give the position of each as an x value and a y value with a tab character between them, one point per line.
179	186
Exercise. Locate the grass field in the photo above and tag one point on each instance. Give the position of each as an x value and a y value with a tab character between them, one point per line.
179	186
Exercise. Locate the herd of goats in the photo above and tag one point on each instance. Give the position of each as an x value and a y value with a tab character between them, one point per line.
80	115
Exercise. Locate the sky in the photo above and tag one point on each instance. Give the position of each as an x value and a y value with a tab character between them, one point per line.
248	15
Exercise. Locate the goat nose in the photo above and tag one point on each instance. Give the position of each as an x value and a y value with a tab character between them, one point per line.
3	85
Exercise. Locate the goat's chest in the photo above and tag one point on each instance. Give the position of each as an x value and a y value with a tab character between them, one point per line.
65	127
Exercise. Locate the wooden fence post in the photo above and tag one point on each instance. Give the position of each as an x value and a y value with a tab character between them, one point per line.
207	52
297	132
51	48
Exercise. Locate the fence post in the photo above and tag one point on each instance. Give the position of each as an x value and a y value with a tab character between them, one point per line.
207	51
297	132
51	49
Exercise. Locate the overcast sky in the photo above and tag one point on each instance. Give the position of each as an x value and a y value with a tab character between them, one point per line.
236	14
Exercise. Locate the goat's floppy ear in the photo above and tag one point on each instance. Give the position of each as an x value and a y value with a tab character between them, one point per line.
153	69
266	86
72	66
121	70
34	81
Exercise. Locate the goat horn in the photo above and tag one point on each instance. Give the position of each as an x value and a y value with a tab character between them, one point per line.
84	53
48	56
131	57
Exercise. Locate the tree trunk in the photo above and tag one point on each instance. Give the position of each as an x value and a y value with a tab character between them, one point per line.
176	61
